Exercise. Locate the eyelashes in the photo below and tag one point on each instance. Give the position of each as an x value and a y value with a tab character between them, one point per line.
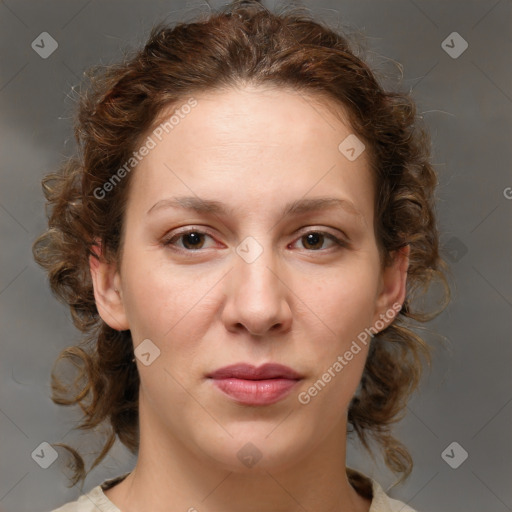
192	240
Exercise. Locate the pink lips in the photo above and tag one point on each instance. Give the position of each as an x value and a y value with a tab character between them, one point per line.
249	385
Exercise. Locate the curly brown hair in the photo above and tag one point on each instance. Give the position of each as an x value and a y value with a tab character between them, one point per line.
243	43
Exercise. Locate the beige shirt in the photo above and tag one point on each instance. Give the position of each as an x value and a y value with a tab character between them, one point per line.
96	501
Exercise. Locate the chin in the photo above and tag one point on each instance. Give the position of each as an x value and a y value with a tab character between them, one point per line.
271	448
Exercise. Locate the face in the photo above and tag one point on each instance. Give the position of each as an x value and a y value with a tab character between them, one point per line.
268	274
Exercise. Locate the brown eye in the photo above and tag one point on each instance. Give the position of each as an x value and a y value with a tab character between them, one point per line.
191	240
314	240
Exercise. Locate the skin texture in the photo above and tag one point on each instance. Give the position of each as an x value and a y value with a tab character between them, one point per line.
301	303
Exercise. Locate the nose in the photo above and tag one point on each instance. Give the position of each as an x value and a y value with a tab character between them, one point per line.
257	297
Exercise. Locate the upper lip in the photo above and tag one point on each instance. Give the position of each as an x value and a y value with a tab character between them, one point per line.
250	372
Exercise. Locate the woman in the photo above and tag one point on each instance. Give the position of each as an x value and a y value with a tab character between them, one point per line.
241	236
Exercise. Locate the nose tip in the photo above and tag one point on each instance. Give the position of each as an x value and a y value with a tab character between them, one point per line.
257	327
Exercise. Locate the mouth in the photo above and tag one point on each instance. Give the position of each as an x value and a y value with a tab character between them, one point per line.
248	385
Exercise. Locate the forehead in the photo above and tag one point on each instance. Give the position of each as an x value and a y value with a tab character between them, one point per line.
256	115
259	142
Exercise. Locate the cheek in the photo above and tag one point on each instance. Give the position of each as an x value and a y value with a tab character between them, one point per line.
340	307
337	355
171	306
335	321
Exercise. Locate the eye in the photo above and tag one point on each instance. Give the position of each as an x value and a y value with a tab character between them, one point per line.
192	240
316	240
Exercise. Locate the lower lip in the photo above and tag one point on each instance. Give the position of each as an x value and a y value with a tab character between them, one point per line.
255	392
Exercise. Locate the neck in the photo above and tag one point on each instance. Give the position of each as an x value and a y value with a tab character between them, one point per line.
169	477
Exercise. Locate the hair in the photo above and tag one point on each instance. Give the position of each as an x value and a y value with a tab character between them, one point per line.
241	44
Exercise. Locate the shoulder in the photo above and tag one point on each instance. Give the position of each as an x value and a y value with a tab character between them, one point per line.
369	488
94	500
383	503
90	502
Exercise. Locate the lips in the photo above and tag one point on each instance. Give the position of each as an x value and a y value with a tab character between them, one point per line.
249	385
249	372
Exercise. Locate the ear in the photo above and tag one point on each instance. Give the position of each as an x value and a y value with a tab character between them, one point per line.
392	289
107	290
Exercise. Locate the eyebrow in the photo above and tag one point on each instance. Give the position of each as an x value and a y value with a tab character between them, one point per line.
300	206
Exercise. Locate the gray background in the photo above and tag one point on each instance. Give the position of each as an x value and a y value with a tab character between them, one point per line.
467	104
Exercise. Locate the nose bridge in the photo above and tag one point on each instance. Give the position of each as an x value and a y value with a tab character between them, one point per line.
257	267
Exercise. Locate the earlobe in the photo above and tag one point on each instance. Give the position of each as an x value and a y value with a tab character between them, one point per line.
107	290
393	286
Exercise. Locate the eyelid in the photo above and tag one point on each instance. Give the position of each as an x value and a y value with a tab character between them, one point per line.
340	235
168	237
339	241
